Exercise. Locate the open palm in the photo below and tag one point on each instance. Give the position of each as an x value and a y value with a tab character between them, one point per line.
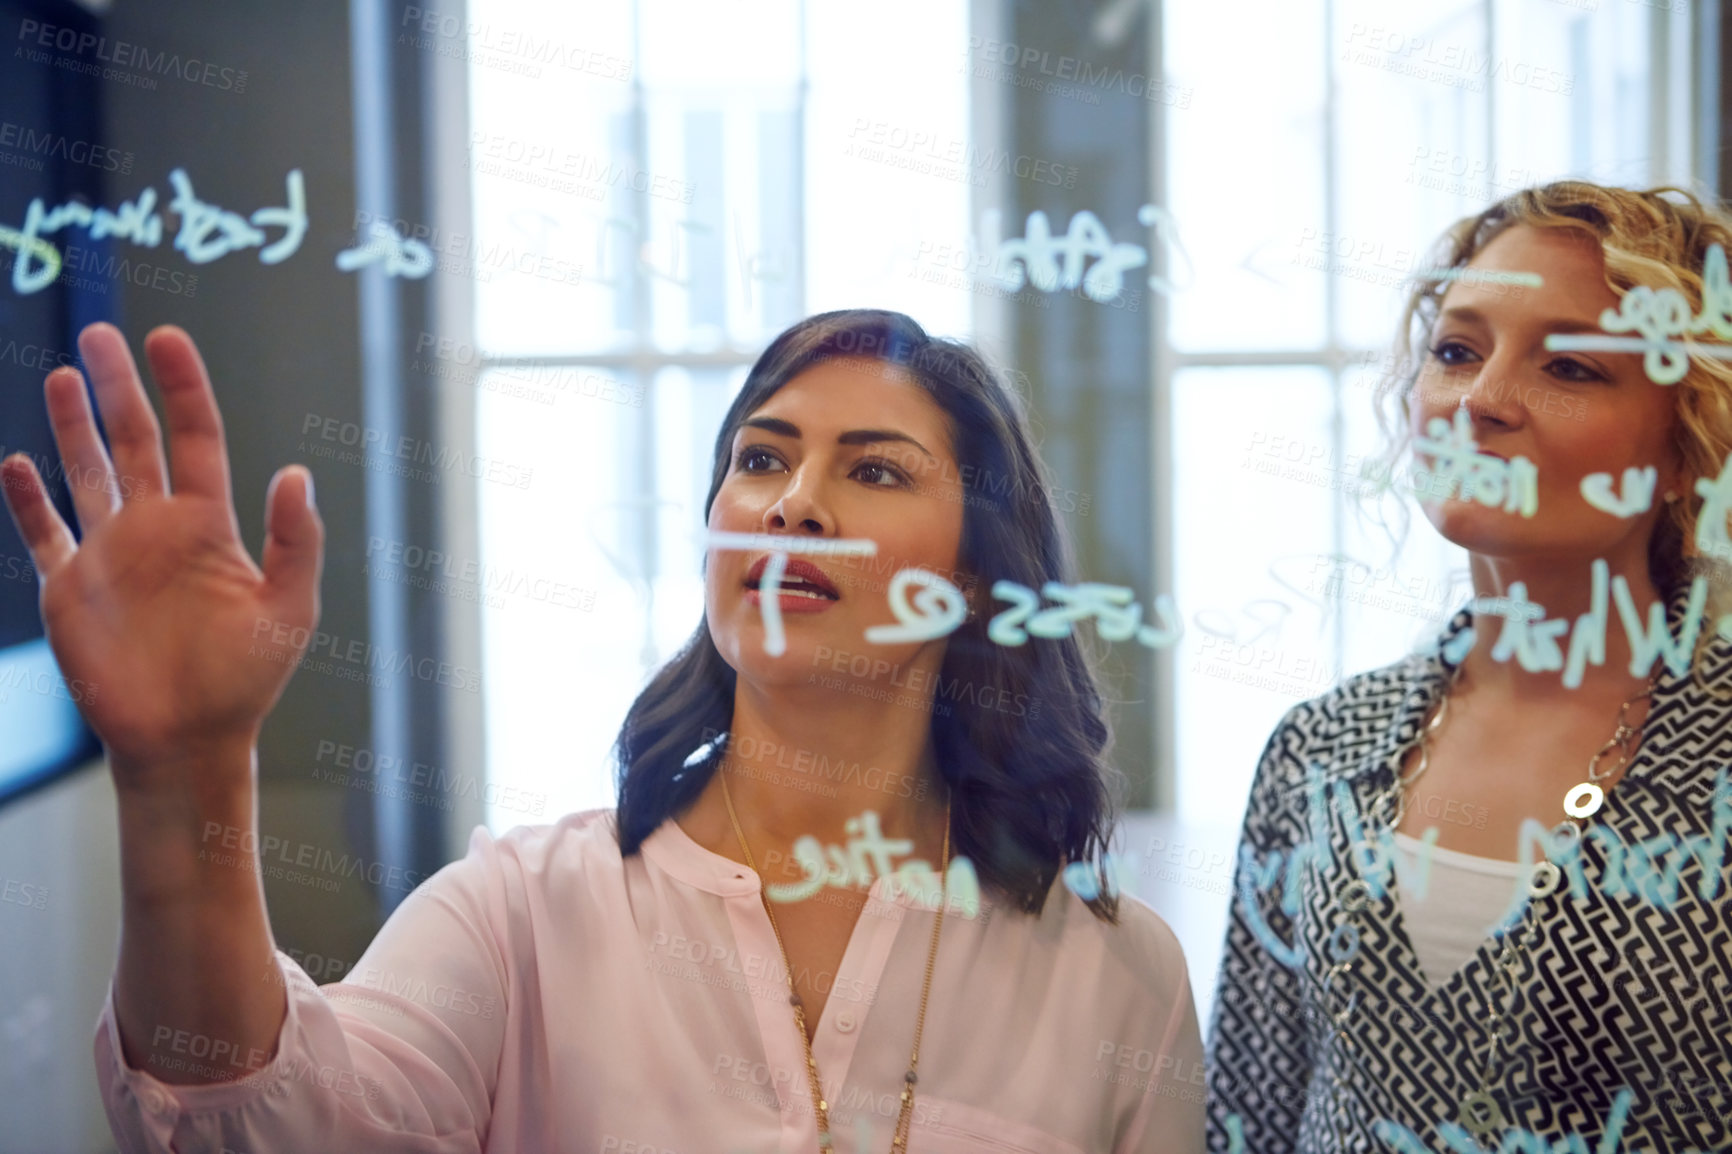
159	611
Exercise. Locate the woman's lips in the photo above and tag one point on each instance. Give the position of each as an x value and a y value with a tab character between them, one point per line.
797	571
790	602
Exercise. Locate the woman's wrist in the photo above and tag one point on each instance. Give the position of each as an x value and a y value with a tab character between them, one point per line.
193	834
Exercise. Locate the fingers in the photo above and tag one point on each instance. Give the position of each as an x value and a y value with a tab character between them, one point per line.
294	536
45	534
198	452
133	432
89	474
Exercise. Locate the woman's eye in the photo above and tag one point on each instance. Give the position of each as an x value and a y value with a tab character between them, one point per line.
894	475
752	453
1567	370
1451	352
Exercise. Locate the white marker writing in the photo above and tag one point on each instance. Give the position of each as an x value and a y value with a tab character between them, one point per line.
1457	460
400	255
198	221
1040	253
1659	314
1638	491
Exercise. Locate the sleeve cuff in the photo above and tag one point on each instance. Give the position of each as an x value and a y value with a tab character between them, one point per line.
141	1105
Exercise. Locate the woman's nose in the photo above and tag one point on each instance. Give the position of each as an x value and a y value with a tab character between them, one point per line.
798	508
1494	397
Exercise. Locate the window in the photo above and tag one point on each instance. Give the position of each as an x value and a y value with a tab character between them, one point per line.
659	187
1354	132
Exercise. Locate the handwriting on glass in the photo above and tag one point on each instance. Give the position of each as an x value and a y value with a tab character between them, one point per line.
770	584
762	266
400	255
1457	461
1533	640
1052	263
1460	1141
836	866
1084	880
1659	316
1638	491
1649	870
938	609
1481	276
1116	616
1377	863
1711	536
207	232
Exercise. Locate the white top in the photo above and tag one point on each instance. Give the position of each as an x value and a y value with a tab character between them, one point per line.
1450	909
545	994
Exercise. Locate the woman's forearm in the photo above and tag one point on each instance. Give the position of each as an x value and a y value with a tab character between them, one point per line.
191	998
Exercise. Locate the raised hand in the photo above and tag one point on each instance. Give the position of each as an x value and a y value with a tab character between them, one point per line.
159	610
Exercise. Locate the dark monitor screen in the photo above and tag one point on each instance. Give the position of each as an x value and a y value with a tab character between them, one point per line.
50	121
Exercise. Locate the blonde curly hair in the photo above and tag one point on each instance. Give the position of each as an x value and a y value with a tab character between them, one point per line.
1660	238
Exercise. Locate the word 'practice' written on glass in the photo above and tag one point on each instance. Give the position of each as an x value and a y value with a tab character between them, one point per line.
849	868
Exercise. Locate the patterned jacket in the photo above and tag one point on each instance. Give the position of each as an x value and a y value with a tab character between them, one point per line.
1627	987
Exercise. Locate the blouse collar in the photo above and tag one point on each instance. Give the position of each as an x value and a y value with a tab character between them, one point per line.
1685	707
674	851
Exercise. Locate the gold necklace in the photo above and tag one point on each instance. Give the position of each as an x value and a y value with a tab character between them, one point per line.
1479	1111
899	1139
1581	802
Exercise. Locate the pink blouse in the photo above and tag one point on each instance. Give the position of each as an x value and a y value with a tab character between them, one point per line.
546	994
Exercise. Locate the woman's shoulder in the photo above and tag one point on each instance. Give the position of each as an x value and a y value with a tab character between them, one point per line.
1361	704
1135	965
582	840
1139	943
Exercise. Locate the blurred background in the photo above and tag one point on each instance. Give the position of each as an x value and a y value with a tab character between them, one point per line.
494	270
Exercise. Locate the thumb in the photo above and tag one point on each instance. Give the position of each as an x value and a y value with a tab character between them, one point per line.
294	536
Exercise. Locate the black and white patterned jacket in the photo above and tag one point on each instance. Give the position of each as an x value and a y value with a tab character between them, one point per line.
1628	986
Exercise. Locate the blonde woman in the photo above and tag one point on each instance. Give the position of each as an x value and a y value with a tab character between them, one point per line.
1559	977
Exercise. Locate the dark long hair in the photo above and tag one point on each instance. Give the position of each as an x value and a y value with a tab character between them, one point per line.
1027	797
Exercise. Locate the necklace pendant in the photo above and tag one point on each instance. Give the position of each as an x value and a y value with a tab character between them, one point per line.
1584	800
1480	1114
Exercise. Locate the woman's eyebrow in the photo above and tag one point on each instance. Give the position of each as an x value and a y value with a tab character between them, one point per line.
852	437
1471	315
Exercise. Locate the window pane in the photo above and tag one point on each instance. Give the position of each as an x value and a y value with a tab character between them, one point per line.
552	164
890	166
1252	483
1244	173
564	638
1572	91
1412	108
1394	581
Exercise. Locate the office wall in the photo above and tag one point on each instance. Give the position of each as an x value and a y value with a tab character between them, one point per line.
280	341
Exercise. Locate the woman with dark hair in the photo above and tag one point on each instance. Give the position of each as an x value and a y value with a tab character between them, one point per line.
1551	969
632	980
